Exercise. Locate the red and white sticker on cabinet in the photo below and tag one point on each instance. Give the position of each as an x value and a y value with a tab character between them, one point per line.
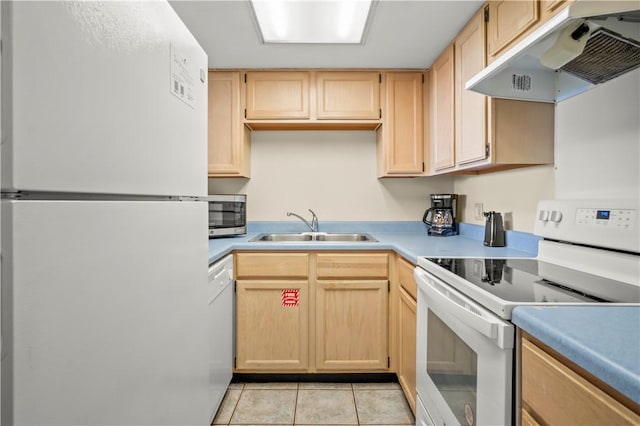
290	297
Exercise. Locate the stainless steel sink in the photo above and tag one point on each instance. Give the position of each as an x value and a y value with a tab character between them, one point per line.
345	237
313	237
281	238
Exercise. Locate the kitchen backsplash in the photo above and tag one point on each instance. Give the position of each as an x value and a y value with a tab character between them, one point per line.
331	172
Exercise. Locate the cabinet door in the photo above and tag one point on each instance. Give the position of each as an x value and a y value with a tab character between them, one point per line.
352	325
508	20
471	107
348	95
558	395
277	95
228	140
407	347
526	419
441	125
403	124
548	8
272	325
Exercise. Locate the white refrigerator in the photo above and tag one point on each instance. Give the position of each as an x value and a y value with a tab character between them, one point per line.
104	245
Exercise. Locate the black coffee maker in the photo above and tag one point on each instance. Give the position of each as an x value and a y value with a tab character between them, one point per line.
441	216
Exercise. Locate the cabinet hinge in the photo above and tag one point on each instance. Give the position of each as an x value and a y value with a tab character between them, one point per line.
245	113
388	362
486	14
235	287
234	362
380	110
380	78
422	78
423	167
388	286
245	77
486	151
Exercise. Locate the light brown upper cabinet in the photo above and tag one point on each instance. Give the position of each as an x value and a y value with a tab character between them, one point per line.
348	95
470	107
508	20
441	123
486	134
228	139
548	8
277	95
401	136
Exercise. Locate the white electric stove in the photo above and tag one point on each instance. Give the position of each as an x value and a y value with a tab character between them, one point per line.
465	343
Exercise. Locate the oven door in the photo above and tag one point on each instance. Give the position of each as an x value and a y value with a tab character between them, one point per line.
464	357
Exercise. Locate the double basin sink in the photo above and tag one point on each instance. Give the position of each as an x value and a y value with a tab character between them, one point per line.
313	237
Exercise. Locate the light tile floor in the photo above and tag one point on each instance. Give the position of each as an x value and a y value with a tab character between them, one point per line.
314	404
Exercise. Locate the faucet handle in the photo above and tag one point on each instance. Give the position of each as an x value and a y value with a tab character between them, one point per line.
314	221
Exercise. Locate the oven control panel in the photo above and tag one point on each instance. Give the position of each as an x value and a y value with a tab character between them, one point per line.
618	218
606	223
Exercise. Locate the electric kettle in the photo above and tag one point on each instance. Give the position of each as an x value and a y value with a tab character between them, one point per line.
493	230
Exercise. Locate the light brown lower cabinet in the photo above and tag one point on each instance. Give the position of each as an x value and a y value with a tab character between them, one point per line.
271	330
351	325
556	392
407	347
312	312
405	293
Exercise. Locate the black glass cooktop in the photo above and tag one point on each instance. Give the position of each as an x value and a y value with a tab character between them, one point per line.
534	281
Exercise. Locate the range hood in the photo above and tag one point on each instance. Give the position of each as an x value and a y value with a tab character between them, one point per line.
585	44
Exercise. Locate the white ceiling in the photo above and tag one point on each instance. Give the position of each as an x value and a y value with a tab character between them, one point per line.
402	34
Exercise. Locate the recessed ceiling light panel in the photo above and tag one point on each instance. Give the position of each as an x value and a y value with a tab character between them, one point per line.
312	21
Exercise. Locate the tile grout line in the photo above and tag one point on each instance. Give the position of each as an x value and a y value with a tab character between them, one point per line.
295	405
355	405
235	406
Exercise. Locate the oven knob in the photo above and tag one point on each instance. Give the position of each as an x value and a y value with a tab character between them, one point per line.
556	216
543	215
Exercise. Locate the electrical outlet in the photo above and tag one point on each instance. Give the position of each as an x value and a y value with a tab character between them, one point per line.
478	211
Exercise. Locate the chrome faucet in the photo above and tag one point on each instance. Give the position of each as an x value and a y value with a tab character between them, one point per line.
314	220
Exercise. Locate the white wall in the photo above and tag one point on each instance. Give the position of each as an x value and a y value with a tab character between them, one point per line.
514	193
330	172
597	146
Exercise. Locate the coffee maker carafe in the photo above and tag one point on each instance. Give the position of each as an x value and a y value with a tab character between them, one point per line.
441	216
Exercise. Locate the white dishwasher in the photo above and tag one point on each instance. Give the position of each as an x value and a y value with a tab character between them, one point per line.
220	319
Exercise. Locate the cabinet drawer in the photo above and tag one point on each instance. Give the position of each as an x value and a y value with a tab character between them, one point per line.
272	265
353	265
405	276
560	396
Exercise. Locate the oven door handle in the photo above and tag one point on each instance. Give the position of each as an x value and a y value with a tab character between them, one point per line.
462	308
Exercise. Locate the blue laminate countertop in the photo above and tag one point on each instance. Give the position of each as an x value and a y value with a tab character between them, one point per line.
409	239
604	340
